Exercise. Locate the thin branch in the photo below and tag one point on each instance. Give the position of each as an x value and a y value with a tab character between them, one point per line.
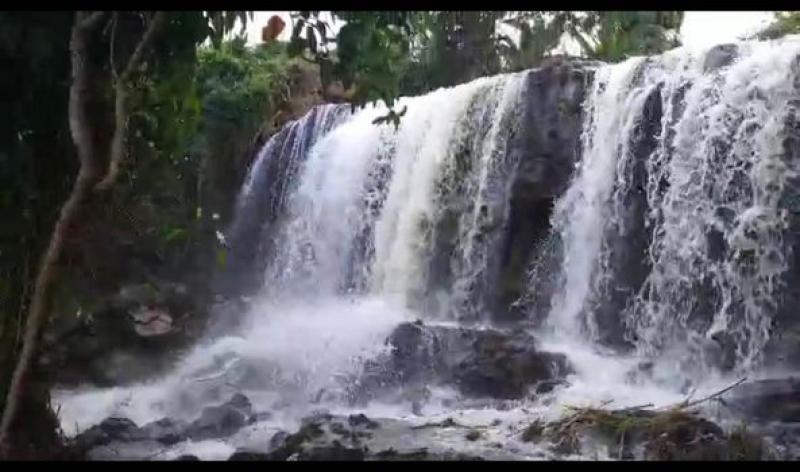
144	43
86	22
114	21
121	113
688	404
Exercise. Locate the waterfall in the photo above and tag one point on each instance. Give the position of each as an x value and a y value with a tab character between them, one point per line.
629	214
582	213
714	185
368	202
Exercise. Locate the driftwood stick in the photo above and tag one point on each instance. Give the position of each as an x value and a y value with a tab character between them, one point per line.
688	404
719	393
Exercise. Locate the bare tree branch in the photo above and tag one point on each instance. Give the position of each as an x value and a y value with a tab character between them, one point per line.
121	106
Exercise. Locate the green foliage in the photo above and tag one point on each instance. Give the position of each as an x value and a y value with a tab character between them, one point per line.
371	54
195	122
615	35
450	48
386	54
785	22
238	83
538	36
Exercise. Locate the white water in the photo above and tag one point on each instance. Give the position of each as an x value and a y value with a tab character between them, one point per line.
583	211
742	107
326	307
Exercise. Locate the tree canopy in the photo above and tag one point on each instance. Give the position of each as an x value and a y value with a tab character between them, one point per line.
380	55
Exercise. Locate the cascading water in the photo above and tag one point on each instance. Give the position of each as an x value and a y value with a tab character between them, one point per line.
714	185
674	235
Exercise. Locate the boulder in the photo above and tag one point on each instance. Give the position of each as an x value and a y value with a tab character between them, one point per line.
720	56
479	362
109	430
223	420
121	437
166	431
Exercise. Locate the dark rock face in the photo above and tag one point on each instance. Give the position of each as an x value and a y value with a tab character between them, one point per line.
480	363
223	420
628	242
545	150
784	346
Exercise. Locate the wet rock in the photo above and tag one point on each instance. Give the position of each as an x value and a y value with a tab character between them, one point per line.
472	435
335	452
278	439
245	455
544	155
547	386
109	430
502	367
784	438
421	454
285	445
766	400
533	432
362	420
165	431
392	454
330	437
631	235
223	420
126	450
720	56
479	362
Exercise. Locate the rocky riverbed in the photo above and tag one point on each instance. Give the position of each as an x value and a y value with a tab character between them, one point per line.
496	386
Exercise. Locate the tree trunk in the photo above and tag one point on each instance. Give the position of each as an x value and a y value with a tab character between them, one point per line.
99	166
88	176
